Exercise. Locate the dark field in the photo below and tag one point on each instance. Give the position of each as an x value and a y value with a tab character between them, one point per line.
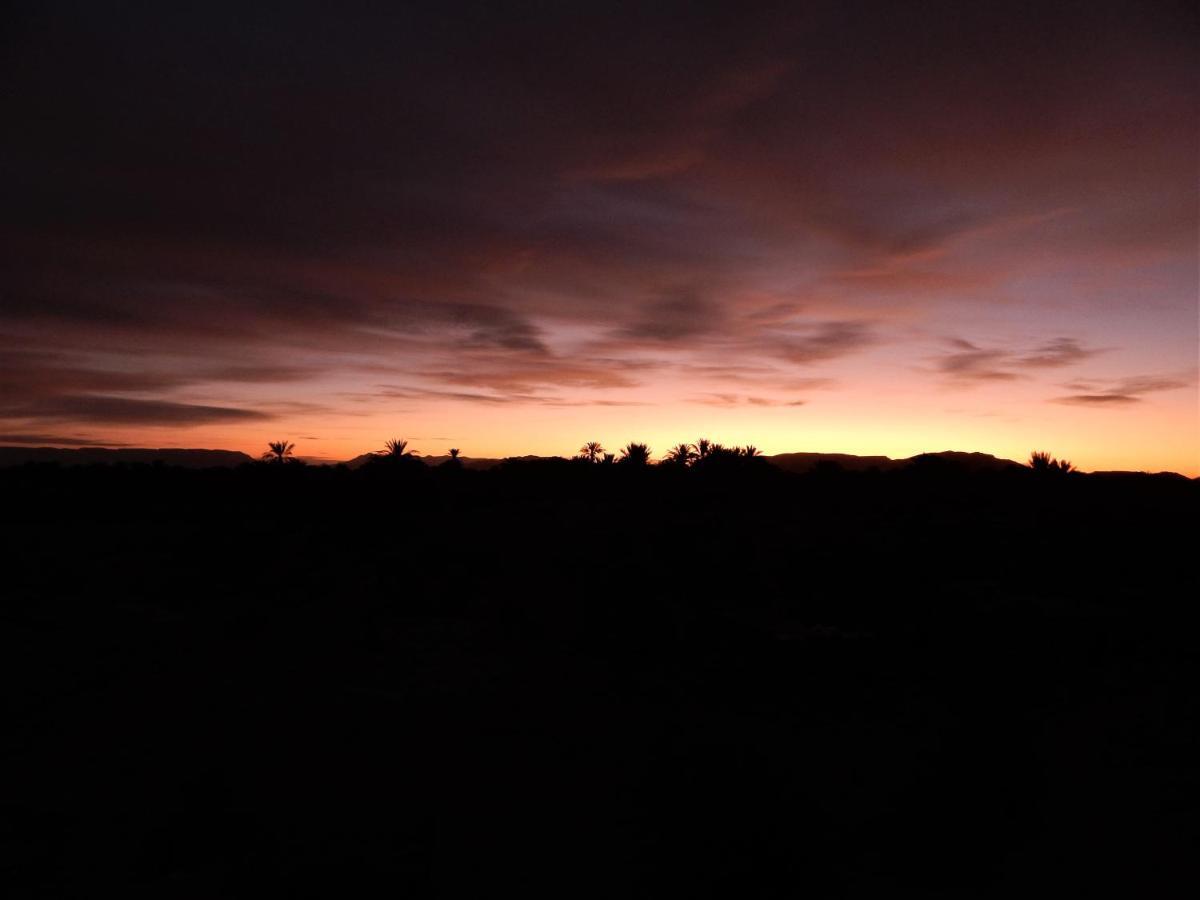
573	680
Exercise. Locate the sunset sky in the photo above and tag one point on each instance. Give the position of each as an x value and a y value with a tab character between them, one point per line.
512	228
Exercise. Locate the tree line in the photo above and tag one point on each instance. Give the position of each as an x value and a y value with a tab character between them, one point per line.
702	453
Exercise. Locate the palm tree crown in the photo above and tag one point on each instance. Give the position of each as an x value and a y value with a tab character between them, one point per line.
279	452
591	451
635	454
1041	461
396	447
680	455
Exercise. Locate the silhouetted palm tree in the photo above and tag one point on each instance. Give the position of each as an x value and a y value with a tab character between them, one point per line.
702	448
750	451
635	454
280	451
1041	461
396	448
680	455
452	464
718	457
591	451
607	459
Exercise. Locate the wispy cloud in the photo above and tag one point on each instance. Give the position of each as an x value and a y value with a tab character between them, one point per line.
675	318
109	410
722	399
825	341
391	392
967	362
1053	354
1121	392
54	440
482	219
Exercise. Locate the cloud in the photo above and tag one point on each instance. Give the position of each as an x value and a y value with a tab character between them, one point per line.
718	399
111	410
258	374
675	318
723	399
828	340
417	393
1105	399
480	325
496	209
77	387
1056	353
528	375
391	392
54	440
38	384
1144	384
807	384
31	374
967	362
1121	392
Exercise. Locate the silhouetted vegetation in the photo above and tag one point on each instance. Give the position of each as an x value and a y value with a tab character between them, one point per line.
680	455
633	454
1044	463
592	451
279	452
396	448
707	677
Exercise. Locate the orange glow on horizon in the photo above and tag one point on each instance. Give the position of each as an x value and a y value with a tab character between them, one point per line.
1160	436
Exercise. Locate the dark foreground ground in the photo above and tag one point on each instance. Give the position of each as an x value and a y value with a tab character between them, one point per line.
592	681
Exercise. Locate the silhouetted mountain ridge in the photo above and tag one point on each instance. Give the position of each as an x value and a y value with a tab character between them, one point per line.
798	462
789	462
467	461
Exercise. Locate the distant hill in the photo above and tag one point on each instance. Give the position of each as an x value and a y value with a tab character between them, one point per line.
977	462
804	462
86	456
790	462
1117	473
205	459
469	462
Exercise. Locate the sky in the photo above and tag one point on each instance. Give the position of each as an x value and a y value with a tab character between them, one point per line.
514	228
